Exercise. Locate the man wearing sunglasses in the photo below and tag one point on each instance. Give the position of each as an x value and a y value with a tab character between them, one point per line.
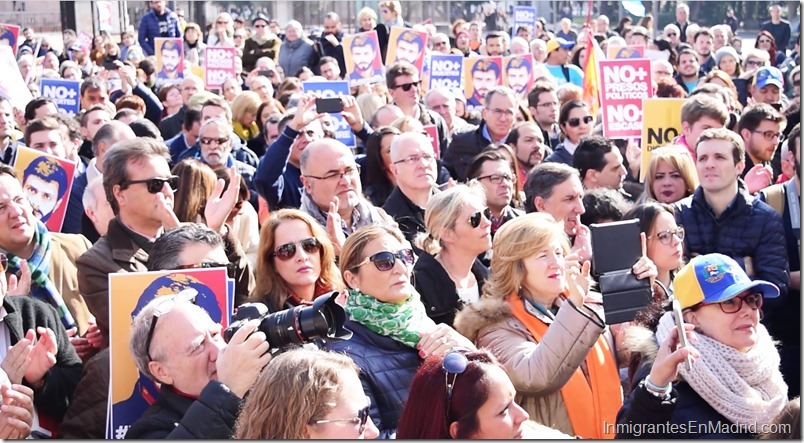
672	33
404	85
760	127
216	141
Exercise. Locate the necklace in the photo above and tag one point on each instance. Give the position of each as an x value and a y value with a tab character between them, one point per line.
464	283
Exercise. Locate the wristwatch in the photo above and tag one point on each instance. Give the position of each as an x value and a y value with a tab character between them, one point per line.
660	392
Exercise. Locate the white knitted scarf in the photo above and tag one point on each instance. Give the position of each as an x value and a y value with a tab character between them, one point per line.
745	387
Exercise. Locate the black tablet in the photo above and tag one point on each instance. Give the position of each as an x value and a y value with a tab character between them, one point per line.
615	246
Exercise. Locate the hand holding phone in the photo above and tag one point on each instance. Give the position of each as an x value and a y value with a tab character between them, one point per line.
329	105
682	335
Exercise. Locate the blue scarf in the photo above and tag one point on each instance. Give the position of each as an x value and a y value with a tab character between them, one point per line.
39	264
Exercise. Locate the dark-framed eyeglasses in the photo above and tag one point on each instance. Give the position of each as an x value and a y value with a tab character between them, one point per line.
416	159
361	419
349	171
3	262
288	250
575	121
209	140
453	364
155	184
476	218
734	304
770	135
385	260
406	86
754	63
230	267
497	178
186	295
666	236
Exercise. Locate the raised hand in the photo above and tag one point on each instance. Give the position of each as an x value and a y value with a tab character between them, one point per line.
221	203
17	360
665	367
758	177
20	285
305	113
43	355
334	225
644	267
240	362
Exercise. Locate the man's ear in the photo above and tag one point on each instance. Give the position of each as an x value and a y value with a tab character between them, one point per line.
685	128
307	183
453	430
538	203
745	134
160	372
117	191
740	167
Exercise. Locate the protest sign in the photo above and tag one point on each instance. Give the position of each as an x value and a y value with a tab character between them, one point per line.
169	60
445	71
46	181
480	74
524	16
328	89
130	392
84	40
621	52
220	66
518	74
432	134
361	53
406	45
9	36
623	85
65	93
105	14
12	86
662	124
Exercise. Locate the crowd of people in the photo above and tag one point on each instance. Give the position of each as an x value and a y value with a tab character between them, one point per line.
462	260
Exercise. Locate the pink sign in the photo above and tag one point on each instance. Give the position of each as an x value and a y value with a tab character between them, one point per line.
220	66
623	85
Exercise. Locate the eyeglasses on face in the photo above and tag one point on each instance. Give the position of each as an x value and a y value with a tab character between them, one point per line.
769	135
186	295
671	34
230	267
735	304
497	178
155	184
347	172
210	140
754	63
288	250
477	217
385	260
406	86
575	121
666	236
361	419
413	159
453	364
498	113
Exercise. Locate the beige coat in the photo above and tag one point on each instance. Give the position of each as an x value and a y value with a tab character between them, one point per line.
537	370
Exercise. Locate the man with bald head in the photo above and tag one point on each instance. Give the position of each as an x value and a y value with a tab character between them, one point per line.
333	193
171	126
413	163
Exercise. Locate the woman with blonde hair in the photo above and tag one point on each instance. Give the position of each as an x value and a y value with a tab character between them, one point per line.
244	115
450	275
366	20
320	398
671	175
222	32
391	332
536	317
295	263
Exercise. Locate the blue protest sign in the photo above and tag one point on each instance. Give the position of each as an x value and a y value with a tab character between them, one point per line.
445	71
329	89
524	16
66	94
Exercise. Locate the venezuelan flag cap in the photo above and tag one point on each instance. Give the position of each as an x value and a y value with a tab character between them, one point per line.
714	278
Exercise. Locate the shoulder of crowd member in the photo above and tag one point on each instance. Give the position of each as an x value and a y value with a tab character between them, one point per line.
482	314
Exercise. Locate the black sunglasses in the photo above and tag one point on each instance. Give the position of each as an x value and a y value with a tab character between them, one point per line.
477	217
230	267
406	86
155	184
186	295
362	417
454	364
575	121
288	250
385	261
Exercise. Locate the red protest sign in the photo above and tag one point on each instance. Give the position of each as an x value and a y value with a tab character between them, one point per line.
623	85
432	134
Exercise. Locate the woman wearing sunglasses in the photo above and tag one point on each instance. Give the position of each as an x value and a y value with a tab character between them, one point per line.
536	318
320	398
450	275
296	261
733	379
575	122
766	42
671	175
391	330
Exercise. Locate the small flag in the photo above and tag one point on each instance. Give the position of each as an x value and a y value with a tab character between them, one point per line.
591	78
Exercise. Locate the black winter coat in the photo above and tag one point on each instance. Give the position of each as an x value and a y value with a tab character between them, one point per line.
387	368
439	295
407	214
464	146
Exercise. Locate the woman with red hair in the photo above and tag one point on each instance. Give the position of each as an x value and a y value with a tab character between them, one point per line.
767	42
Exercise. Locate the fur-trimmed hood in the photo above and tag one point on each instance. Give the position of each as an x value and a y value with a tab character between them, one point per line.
486	312
642	341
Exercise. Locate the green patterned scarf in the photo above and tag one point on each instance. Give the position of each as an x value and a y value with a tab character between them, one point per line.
402	322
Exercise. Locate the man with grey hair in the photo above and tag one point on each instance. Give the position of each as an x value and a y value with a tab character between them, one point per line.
672	34
443	102
499	116
96	208
413	163
216	141
602	26
439	42
333	193
538	48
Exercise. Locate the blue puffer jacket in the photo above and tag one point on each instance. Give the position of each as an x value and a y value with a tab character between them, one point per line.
386	371
149	29
748	228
